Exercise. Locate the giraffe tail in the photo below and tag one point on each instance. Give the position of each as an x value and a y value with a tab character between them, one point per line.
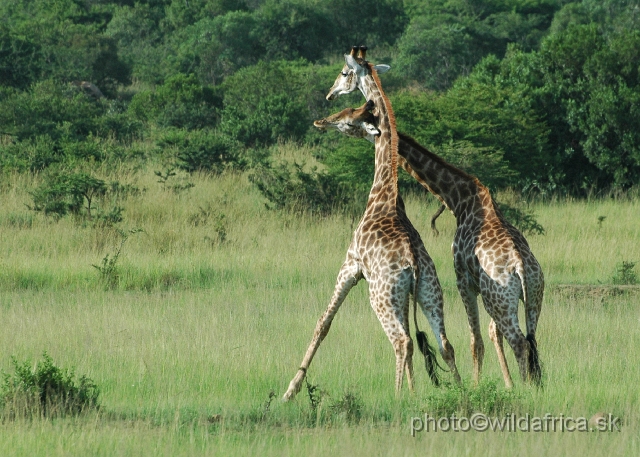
535	370
429	353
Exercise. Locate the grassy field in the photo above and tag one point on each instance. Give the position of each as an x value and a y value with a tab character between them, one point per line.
213	303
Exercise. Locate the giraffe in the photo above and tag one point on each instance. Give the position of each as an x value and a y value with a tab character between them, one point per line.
491	257
387	251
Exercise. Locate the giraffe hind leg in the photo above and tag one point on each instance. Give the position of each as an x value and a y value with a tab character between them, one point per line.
496	337
470	300
533	307
430	299
391	305
408	364
501	302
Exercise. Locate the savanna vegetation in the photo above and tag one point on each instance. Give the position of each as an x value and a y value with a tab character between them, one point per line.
172	224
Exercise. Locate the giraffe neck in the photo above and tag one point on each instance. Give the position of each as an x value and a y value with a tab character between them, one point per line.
385	181
463	194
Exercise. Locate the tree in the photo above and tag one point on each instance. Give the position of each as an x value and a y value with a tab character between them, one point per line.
180	102
268	101
445	39
593	82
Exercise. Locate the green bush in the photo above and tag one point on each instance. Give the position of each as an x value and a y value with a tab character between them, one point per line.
68	193
46	391
63	40
625	273
288	187
203	150
214	48
271	101
48	108
464	401
293	29
180	102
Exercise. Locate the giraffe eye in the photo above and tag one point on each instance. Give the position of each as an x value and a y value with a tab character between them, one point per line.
344	73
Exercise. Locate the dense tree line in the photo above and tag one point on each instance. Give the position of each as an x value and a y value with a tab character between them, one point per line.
531	94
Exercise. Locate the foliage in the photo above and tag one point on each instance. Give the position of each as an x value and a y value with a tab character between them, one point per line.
280	102
464	401
203	150
68	193
292	29
535	94
444	40
45	390
625	273
108	268
214	48
523	219
180	102
477	127
592	81
59	40
48	108
378	23
56	123
288	187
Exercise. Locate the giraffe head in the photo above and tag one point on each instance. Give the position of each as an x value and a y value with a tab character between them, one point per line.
355	69
355	122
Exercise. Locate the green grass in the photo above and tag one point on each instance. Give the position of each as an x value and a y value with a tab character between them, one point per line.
188	345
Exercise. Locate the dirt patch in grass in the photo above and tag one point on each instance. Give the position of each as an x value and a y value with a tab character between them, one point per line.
595	290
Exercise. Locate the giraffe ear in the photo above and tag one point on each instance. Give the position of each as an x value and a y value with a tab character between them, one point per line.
381	68
370	128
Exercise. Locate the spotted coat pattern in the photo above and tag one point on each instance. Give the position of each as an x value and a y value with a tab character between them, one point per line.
491	257
387	251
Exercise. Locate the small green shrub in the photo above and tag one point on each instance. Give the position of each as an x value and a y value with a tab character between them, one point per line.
45	390
349	406
68	193
108	268
288	187
462	400
522	218
625	274
203	150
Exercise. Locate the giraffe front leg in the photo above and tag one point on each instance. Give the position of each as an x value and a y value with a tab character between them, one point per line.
347	278
496	336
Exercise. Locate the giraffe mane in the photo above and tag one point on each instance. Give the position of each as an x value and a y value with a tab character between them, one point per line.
392	124
436	158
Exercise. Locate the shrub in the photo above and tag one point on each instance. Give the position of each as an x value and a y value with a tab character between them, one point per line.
45	390
625	273
68	193
270	101
32	154
273	117
288	187
203	150
180	102
48	108
464	401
